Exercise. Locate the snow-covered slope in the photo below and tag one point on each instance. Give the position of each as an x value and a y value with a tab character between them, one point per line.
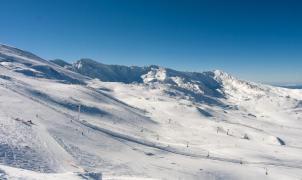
58	124
31	65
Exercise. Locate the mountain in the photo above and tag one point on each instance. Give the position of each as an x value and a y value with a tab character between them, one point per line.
61	63
85	120
293	86
199	86
109	73
31	65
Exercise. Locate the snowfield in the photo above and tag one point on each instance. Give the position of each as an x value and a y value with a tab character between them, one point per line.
93	121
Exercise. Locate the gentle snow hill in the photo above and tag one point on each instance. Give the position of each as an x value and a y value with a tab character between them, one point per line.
32	65
142	123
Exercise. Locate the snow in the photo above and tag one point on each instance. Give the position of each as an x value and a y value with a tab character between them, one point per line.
157	123
16	174
156	74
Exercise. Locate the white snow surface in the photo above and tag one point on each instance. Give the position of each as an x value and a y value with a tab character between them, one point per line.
166	125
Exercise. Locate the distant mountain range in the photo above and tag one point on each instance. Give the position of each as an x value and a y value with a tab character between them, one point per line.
293	86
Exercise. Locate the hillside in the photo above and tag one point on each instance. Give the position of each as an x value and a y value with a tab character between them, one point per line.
148	122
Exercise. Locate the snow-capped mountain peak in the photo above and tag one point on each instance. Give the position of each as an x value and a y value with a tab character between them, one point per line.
155	74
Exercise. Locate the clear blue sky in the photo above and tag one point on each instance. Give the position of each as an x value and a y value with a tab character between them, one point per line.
259	40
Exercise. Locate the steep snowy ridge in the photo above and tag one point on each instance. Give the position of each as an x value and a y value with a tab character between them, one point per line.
197	83
198	87
155	74
85	120
109	73
234	86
